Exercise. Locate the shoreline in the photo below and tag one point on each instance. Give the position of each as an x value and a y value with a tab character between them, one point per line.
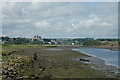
99	64
115	48
93	55
55	64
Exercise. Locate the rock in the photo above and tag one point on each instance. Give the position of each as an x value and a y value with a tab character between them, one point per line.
32	76
47	76
5	72
35	56
25	76
10	70
4	76
14	73
43	69
81	59
88	60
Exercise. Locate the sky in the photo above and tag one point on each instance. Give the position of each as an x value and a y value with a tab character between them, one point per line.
60	19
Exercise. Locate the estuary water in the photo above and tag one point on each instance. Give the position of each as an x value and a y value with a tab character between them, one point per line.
110	57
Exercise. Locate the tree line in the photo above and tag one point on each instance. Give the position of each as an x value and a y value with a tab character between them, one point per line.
19	40
76	41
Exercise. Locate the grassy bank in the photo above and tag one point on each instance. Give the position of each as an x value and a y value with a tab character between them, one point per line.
49	64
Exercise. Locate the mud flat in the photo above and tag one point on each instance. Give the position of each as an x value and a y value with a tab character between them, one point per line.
99	64
50	63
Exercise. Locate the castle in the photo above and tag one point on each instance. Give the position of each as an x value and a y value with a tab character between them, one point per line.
36	37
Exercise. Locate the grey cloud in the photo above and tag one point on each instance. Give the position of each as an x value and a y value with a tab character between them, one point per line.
60	19
11	9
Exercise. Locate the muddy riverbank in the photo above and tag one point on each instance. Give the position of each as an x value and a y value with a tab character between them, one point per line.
50	63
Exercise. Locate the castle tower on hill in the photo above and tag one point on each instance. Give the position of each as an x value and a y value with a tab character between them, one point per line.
36	37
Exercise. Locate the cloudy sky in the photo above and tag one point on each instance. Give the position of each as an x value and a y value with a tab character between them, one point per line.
60	19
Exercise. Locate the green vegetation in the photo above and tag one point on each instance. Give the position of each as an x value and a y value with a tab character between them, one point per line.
20	40
92	43
60	41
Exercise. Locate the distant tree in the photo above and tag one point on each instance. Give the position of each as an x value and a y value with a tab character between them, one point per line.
91	43
5	38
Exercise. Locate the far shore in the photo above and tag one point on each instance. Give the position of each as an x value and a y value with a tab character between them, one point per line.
115	48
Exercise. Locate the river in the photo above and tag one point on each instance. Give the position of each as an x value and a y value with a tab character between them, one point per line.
110	57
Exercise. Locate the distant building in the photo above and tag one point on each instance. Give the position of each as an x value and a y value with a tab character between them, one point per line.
36	37
3	42
73	43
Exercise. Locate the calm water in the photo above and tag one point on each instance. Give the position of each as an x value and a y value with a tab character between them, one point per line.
53	49
110	57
